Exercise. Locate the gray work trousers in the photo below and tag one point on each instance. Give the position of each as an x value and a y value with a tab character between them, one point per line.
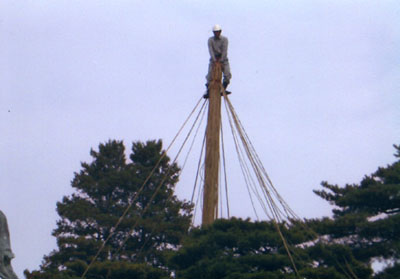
226	70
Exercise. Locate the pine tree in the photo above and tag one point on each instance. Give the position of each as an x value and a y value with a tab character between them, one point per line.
104	189
367	216
242	249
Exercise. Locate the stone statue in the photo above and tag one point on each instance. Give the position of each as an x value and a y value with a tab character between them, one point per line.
6	255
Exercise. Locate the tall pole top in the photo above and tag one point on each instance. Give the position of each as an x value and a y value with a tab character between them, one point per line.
211	172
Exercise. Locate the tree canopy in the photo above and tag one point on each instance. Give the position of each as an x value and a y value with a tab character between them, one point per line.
243	249
104	189
155	240
365	228
367	217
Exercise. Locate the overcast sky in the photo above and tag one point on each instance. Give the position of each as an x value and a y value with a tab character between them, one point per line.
315	84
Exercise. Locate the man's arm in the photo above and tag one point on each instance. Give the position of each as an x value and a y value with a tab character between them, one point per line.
211	50
224	54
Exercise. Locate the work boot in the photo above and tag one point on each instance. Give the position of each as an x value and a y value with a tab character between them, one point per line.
205	96
225	85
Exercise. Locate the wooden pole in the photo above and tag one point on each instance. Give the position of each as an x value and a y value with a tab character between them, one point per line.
210	196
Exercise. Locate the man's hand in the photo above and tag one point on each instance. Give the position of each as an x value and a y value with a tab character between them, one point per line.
217	60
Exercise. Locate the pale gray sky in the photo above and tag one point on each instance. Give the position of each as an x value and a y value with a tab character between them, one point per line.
315	83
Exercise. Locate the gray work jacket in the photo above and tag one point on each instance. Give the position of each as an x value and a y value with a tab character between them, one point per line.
218	48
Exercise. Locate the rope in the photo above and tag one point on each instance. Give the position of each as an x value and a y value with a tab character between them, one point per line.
244	168
225	176
113	229
202	109
269	198
252	157
269	190
198	166
162	182
197	177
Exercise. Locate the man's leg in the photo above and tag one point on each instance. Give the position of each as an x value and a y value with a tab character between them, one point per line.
208	78
226	70
209	74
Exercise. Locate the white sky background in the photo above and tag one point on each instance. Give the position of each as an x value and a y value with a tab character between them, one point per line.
315	83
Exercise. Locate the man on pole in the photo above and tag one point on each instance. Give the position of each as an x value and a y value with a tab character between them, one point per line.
218	49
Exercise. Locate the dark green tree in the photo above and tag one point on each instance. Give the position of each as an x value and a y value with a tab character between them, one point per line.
104	188
367	217
241	249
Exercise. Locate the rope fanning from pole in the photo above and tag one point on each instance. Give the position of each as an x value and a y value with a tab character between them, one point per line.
113	229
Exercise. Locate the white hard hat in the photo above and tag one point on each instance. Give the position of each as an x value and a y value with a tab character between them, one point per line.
216	28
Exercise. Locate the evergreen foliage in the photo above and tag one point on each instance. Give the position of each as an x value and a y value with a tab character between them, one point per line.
243	249
103	190
367	217
365	227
